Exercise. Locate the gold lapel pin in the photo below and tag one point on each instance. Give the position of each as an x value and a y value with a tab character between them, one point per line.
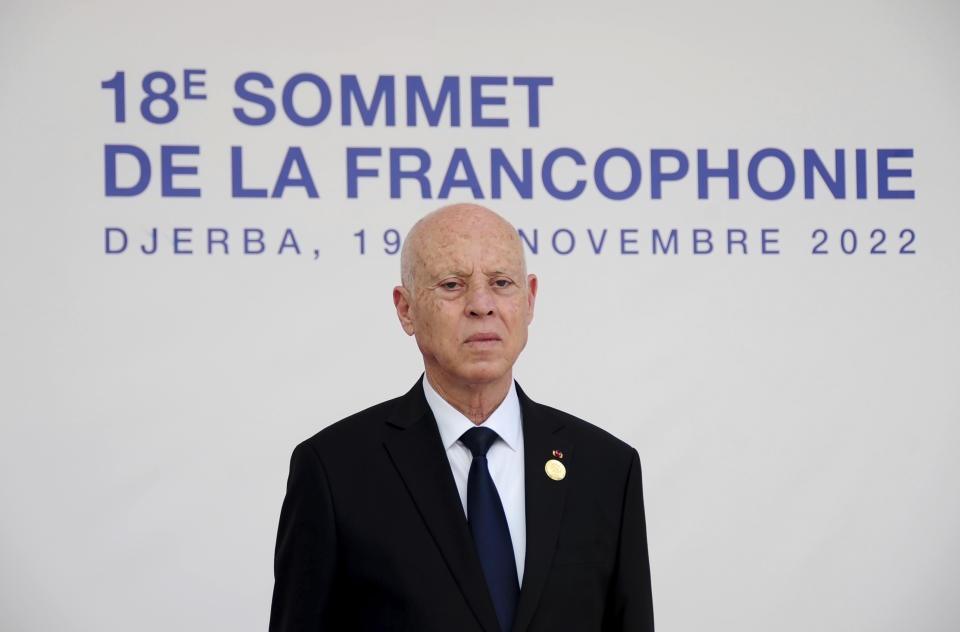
555	470
558	454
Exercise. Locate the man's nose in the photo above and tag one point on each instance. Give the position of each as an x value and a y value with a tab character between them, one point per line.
479	301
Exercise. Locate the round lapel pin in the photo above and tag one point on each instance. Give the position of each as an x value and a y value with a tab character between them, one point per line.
555	470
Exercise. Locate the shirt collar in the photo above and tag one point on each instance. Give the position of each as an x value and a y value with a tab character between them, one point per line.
505	420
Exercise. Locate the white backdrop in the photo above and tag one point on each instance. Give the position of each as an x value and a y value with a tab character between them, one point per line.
796	414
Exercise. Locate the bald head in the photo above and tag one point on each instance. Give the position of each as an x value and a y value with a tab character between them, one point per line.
455	223
468	300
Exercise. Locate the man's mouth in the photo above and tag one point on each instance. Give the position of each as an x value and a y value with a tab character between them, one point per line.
482	337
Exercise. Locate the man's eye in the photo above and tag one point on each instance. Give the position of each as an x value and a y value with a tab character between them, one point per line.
450	285
502	282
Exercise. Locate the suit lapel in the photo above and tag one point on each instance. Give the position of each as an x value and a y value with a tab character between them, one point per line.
544	501
419	456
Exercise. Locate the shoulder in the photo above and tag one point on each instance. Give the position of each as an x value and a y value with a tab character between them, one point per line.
359	428
371	426
585	431
589	441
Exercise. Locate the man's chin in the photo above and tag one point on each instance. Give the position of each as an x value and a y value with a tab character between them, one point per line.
482	375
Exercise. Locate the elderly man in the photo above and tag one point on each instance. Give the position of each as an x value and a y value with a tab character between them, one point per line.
463	505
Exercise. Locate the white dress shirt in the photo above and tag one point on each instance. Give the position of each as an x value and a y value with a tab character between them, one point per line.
504	459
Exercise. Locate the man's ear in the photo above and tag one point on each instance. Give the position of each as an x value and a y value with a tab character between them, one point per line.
531	294
401	300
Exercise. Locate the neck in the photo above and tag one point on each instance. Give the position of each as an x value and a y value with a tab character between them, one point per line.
475	401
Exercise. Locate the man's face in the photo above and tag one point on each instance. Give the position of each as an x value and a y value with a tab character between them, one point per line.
471	302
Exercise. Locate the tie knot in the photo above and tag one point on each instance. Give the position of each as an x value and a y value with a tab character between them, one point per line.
478	440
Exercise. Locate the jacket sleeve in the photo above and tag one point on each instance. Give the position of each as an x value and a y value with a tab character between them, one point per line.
630	600
306	554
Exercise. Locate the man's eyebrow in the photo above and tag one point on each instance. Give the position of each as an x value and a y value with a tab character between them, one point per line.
448	273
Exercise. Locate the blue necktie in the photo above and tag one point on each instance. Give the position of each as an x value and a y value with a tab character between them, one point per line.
488	525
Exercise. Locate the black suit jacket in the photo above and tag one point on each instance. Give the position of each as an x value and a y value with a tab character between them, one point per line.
373	535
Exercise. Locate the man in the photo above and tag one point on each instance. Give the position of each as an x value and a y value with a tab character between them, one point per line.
463	505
